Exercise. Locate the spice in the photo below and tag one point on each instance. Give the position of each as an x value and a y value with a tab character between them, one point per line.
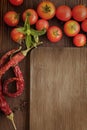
13	61
4	57
4	106
19	83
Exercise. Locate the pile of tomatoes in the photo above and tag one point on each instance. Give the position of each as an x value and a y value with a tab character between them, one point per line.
75	22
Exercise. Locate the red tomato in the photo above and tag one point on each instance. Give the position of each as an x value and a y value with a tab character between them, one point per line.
17	36
84	25
46	10
16	2
33	17
79	40
79	12
41	24
63	13
11	18
71	28
54	34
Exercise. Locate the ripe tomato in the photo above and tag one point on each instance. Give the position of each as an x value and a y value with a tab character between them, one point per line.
79	12
33	17
11	18
54	34
63	13
79	40
16	2
41	24
17	36
46	10
84	25
71	28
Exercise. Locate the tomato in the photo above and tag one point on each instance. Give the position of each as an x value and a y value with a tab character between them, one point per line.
71	28
46	10
17	36
54	34
41	24
84	25
11	18
33	17
79	12
79	40
63	13
16	2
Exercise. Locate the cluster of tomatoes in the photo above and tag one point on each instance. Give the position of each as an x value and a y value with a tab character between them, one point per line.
74	21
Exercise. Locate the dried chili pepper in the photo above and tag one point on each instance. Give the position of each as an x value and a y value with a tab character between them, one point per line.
4	106
13	61
19	83
4	57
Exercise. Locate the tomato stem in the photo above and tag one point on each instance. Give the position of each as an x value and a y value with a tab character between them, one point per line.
73	27
46	8
56	33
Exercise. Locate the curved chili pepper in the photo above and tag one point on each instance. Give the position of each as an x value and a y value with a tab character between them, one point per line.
5	56
5	107
3	103
19	83
13	61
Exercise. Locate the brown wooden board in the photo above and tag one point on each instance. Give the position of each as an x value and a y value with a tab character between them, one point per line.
58	89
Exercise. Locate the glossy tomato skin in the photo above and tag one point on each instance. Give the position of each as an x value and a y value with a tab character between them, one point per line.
16	2
46	10
33	17
63	13
54	34
71	28
11	18
79	40
17	36
79	13
84	25
41	24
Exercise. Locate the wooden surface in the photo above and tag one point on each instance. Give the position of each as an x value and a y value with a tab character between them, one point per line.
58	89
6	44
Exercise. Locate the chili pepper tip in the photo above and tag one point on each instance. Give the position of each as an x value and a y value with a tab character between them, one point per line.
11	118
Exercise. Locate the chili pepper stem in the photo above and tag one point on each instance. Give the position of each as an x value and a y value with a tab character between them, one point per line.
16	51
11	118
27	50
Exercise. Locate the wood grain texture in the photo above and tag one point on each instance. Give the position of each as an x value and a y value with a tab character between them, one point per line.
6	44
58	86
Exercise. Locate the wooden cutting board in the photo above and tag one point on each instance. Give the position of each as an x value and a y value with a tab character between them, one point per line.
58	89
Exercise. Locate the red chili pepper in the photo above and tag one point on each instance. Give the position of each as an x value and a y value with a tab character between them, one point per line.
19	83
6	108
4	57
3	103
13	61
